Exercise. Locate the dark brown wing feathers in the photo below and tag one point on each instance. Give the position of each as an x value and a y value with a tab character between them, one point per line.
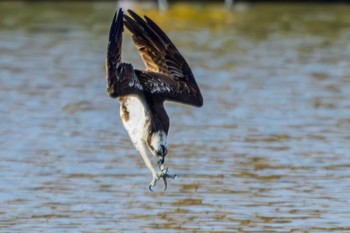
168	74
115	38
121	79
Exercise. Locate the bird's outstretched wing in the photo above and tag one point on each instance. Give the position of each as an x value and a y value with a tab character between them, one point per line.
168	75
121	78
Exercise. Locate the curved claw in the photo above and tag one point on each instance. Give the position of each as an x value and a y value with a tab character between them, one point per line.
165	183
153	183
164	174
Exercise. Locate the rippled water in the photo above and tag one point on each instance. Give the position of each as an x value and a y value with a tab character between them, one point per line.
268	152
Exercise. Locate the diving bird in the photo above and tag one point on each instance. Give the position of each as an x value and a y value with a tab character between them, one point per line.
141	93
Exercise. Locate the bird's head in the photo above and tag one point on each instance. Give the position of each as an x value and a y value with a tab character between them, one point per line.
158	132
157	144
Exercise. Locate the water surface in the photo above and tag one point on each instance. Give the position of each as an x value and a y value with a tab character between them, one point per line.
268	151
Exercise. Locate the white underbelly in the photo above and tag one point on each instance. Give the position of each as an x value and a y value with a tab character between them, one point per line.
132	112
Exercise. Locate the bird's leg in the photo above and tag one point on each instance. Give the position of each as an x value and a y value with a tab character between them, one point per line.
153	183
146	159
155	175
164	174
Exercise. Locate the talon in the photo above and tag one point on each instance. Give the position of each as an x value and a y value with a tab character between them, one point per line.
165	171
153	183
165	183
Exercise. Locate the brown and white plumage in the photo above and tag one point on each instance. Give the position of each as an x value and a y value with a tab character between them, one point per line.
142	93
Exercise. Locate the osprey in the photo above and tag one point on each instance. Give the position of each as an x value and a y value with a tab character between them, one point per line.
142	93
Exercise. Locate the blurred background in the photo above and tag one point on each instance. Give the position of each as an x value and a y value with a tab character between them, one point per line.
268	151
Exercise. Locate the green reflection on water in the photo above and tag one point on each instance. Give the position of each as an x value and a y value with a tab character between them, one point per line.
256	21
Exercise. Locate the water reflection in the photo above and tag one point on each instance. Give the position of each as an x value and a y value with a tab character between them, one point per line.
268	152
